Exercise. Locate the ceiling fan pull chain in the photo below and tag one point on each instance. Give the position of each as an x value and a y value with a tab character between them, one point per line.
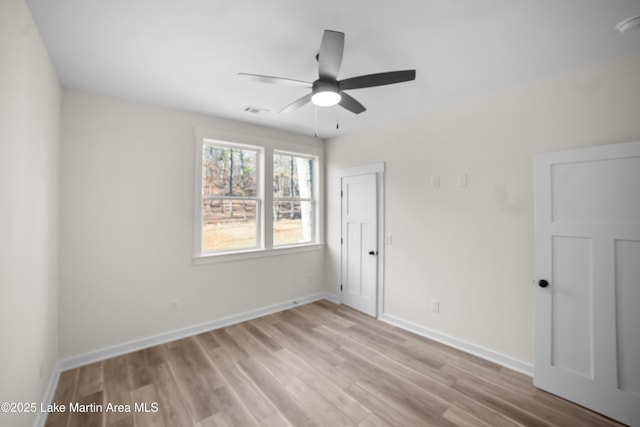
337	119
316	114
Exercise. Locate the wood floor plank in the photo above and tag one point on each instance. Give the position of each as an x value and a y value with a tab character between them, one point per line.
487	397
279	396
67	384
300	340
233	408
464	369
148	395
218	419
392	414
394	392
263	338
521	399
156	355
245	340
319	364
87	412
254	399
116	387
90	380
328	389
196	377
170	398
462	418
138	368
372	420
322	361
231	347
126	421
319	315
395	357
473	407
580	415
316	404
275	420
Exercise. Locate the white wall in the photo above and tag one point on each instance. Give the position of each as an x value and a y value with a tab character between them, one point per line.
29	147
471	247
127	174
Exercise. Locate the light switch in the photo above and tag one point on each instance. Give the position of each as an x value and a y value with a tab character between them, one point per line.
388	239
435	181
462	180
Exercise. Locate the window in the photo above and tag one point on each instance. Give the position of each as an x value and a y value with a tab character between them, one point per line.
255	199
293	204
230	198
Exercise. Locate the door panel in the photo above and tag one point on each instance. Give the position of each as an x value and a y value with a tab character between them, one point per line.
587	247
572	314
628	315
359	237
596	191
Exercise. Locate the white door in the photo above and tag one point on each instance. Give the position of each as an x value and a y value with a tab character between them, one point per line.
587	274
359	243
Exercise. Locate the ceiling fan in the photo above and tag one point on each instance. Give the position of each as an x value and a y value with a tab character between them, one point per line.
327	90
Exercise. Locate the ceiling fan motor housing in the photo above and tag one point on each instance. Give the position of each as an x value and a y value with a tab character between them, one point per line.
325	86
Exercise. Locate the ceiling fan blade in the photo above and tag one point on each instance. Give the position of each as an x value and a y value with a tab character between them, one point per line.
274	80
379	79
297	104
330	55
350	103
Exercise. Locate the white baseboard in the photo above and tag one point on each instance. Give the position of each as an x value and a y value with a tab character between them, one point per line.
47	397
128	347
476	350
139	344
333	298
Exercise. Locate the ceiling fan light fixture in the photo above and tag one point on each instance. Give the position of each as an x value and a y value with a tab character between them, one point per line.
326	98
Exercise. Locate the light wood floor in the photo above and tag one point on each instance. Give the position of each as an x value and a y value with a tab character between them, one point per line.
319	364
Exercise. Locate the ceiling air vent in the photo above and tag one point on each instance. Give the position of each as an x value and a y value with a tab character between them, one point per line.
254	110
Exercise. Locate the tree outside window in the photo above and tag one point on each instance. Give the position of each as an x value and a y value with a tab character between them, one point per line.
230	202
293	202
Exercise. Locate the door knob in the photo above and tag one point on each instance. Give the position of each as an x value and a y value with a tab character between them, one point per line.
543	283
372	253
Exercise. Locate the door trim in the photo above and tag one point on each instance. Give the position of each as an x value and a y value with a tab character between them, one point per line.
378	169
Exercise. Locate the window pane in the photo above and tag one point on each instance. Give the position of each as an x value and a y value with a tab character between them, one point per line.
292	176
228	171
292	223
229	224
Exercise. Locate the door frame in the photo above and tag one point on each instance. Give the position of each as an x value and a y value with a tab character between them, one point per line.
378	169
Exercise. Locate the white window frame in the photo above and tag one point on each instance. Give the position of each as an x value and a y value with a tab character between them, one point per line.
311	200
258	198
266	147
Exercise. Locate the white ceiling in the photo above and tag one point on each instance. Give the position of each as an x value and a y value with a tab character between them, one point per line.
186	54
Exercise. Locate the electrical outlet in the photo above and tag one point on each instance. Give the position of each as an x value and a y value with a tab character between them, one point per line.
174	306
435	306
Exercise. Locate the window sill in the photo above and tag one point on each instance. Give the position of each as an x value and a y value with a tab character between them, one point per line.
256	253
